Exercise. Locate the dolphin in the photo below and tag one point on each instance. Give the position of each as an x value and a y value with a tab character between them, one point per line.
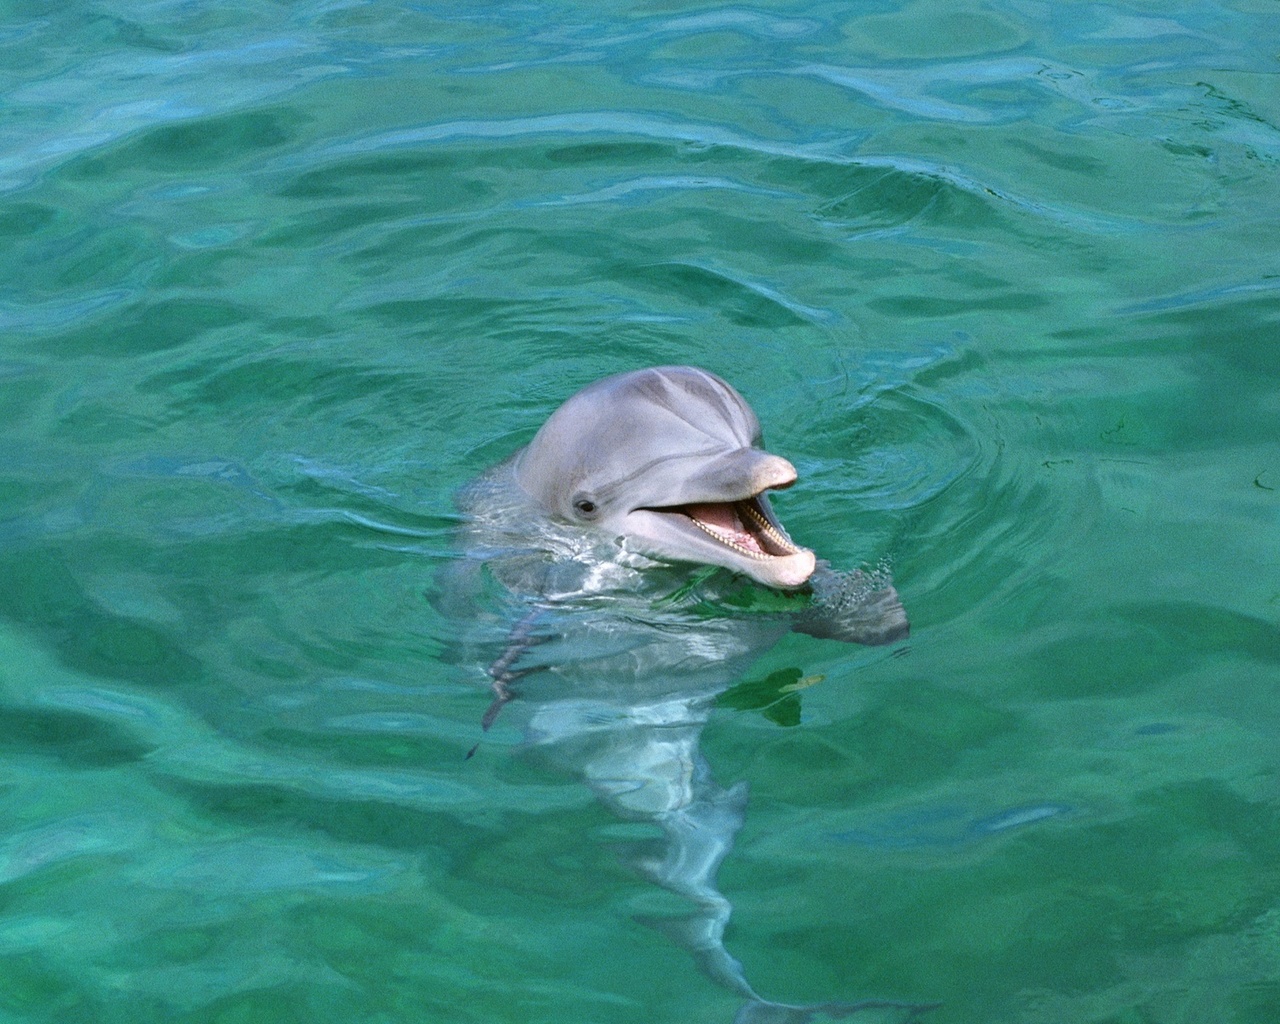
603	568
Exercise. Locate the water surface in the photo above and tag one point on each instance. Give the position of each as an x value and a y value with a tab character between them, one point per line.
1000	279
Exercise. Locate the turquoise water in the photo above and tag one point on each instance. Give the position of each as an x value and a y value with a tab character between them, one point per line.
1000	279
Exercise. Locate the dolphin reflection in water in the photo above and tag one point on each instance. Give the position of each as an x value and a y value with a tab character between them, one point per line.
625	568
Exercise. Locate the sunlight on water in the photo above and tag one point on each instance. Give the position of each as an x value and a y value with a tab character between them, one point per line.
999	280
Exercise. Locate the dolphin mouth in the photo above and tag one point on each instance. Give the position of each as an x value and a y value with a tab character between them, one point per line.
742	525
747	535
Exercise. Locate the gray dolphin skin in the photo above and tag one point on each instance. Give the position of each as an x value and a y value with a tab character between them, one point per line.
616	576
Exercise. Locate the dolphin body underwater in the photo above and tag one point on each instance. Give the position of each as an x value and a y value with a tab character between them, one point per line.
602	571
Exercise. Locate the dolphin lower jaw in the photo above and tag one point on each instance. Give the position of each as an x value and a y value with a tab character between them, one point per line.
741	535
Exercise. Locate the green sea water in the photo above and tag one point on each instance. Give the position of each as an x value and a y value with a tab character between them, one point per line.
1001	280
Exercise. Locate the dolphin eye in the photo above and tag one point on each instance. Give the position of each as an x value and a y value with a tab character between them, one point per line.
585	507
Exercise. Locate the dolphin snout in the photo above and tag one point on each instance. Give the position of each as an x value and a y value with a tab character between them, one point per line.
773	472
741	473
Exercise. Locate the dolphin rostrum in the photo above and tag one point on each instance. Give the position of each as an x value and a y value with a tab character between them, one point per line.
622	539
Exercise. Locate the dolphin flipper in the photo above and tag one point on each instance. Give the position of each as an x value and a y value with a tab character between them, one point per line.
853	607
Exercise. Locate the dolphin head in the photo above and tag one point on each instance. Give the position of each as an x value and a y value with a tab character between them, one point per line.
666	460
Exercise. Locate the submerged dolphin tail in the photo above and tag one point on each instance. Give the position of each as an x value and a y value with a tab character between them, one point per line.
720	966
870	1011
716	962
698	835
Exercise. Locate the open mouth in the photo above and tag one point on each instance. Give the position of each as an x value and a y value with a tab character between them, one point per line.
742	525
741	534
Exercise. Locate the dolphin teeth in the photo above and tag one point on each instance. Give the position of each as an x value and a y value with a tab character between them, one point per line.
723	538
769	529
761	523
